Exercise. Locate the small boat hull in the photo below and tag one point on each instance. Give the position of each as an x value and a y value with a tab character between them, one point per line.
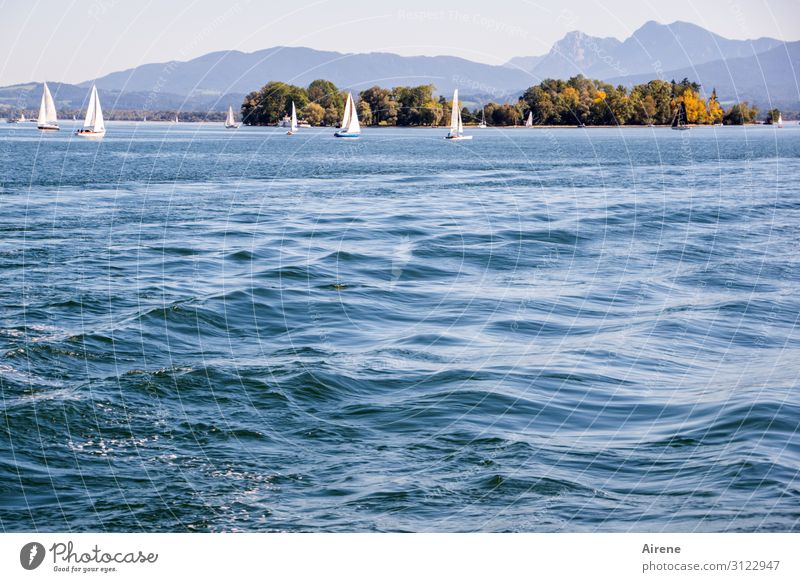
347	135
89	133
234	126
457	137
681	128
48	127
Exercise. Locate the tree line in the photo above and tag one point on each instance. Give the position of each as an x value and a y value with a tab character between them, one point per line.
552	102
581	100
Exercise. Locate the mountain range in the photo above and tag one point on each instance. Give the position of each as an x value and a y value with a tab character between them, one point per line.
761	70
652	49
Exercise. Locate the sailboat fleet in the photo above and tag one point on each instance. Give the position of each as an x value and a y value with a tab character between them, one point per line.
94	125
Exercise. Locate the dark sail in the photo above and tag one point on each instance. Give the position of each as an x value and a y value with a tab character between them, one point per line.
680	116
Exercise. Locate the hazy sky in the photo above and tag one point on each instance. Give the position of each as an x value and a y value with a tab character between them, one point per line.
77	40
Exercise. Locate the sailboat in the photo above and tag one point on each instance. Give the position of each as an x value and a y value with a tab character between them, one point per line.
456	125
529	121
780	120
230	122
48	120
293	126
350	126
679	121
176	118
93	125
482	124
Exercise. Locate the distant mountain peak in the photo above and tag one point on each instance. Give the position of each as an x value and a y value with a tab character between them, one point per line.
653	51
652	48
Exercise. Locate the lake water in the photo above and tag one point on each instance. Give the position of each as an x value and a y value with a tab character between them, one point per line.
537	330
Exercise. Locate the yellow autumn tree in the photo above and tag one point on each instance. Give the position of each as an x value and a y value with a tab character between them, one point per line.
571	97
695	107
714	111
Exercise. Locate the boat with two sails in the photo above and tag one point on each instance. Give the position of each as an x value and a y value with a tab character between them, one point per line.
350	127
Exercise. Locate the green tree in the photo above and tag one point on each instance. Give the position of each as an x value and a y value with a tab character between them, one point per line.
313	113
537	100
568	106
620	105
740	113
656	99
364	112
505	114
678	89
411	103
432	113
271	103
381	104
772	116
332	116
488	109
611	105
327	95
648	108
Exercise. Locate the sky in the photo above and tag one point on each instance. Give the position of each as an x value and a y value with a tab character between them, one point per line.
79	40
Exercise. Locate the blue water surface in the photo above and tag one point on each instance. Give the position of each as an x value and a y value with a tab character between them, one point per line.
537	330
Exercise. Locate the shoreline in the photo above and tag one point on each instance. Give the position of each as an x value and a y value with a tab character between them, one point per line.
520	127
437	127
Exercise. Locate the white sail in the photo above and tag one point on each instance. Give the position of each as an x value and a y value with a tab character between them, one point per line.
229	122
347	111
50	106
293	127
780	119
456	123
88	123
455	115
529	122
47	110
43	108
94	114
354	126
99	123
